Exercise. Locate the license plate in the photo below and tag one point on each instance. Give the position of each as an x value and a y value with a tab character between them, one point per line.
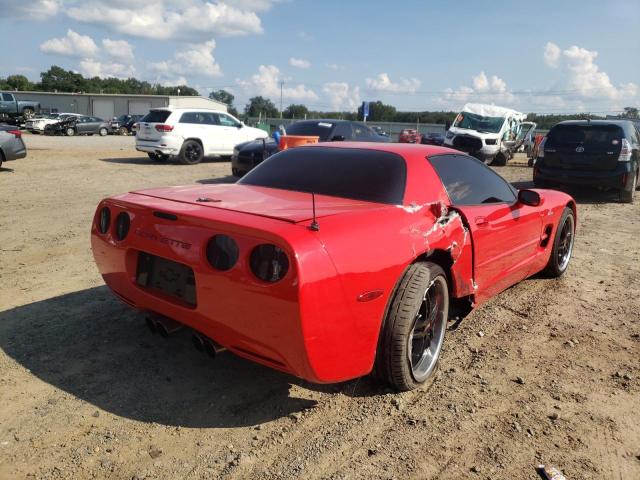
169	277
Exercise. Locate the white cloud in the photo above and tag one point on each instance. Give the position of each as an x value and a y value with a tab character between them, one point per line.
583	77
484	89
196	59
72	45
551	54
191	20
30	10
267	83
95	68
341	96
383	83
118	49
332	66
299	62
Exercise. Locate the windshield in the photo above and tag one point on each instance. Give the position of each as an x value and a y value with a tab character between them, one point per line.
122	118
586	135
355	173
472	121
312	129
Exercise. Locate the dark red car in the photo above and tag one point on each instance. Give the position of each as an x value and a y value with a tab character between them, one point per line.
410	135
331	261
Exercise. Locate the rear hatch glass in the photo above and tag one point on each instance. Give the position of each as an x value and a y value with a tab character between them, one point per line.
584	147
147	129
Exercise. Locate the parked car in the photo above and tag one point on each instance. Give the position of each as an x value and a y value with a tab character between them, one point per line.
38	124
487	132
12	108
332	260
78	125
603	153
250	154
11	145
379	130
123	125
432	138
191	134
410	135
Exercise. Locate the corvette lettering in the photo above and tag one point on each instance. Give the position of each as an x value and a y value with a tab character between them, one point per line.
165	240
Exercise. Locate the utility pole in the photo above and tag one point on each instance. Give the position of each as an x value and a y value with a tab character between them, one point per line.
281	84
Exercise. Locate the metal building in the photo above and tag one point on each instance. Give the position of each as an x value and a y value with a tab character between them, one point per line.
106	106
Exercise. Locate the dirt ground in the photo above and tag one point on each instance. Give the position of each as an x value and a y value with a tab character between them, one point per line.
547	372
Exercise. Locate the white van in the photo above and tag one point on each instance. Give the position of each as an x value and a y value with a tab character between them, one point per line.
191	134
487	132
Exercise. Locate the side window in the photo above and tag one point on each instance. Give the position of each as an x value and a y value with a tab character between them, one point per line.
198	118
7	97
470	182
343	129
227	121
361	132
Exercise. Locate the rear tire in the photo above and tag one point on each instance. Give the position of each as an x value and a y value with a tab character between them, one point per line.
628	195
413	332
191	153
123	131
70	132
103	132
28	113
562	247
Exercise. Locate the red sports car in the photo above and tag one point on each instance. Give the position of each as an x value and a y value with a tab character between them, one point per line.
331	261
410	135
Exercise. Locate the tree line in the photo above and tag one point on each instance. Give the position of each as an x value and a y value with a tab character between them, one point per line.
57	79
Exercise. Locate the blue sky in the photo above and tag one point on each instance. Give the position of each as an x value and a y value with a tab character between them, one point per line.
544	56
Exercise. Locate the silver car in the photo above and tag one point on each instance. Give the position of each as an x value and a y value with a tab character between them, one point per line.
11	145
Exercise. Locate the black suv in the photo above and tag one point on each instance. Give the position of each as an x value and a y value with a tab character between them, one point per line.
603	153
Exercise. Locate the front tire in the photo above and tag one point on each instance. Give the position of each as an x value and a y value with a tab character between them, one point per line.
413	332
103	132
562	247
191	152
123	131
70	132
500	160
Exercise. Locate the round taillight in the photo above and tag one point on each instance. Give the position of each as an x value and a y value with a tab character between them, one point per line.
269	263
123	222
222	252
104	220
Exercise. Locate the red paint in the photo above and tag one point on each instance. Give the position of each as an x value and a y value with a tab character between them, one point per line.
314	322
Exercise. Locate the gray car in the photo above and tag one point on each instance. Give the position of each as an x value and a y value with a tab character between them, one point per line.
11	145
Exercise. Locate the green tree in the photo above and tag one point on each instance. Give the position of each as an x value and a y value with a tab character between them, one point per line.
295	111
222	96
57	79
19	82
260	105
629	112
378	112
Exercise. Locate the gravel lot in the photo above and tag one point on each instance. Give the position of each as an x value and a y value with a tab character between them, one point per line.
547	372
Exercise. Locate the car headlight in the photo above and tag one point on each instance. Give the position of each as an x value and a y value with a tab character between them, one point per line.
269	263
449	135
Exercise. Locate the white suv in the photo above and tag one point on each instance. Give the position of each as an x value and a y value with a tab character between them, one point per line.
191	134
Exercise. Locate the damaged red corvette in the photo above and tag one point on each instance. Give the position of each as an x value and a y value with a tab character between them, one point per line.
332	261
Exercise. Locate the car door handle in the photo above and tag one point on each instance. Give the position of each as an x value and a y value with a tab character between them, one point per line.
481	221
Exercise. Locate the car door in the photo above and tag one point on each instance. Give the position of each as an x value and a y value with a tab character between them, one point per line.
199	125
81	125
7	103
505	233
230	132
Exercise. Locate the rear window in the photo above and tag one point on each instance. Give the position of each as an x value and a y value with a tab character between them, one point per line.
358	174
312	129
593	135
156	116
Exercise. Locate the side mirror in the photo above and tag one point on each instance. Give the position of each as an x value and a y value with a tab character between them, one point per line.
529	197
337	138
240	125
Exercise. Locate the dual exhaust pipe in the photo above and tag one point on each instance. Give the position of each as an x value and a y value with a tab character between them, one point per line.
166	326
205	344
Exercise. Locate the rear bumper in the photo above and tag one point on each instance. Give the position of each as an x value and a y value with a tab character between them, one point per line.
296	325
163	147
14	150
618	178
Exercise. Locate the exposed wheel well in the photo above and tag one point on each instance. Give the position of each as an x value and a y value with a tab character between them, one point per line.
442	258
574	208
194	140
2	157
